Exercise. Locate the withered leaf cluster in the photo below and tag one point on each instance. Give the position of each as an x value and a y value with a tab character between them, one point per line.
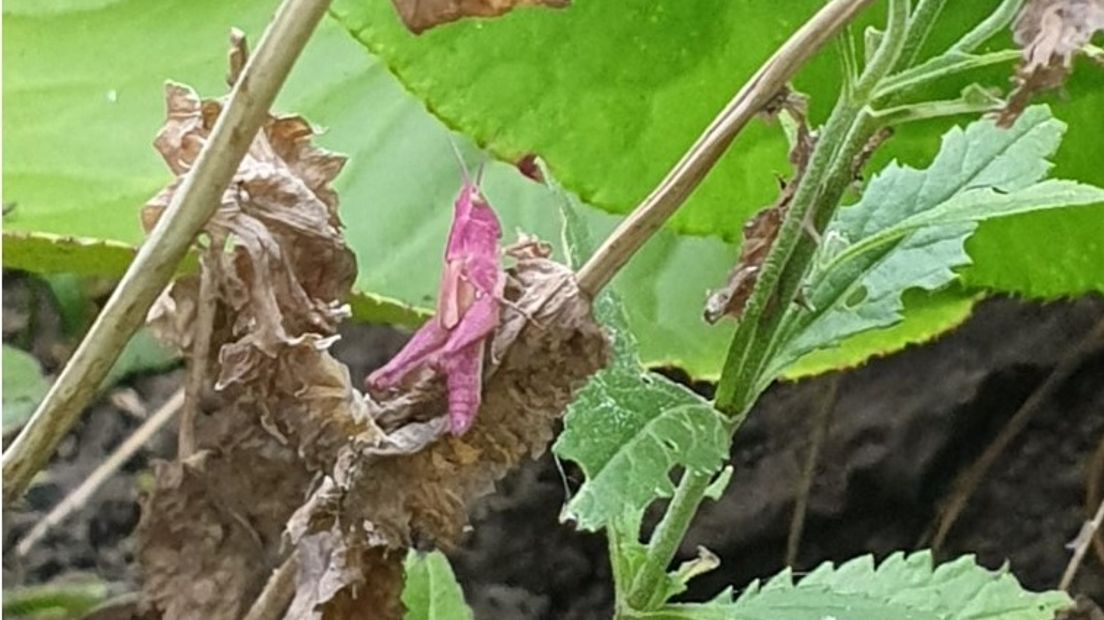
421	15
760	232
290	458
1051	33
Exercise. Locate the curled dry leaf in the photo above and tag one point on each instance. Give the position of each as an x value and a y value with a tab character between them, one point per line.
1051	33
288	449
389	494
760	232
421	15
212	526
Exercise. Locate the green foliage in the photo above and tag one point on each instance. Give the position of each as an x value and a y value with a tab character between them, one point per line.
142	354
628	428
910	227
84	102
24	386
56	601
431	591
611	94
62	129
901	587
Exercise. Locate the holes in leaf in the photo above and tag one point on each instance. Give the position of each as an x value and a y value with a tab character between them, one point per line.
855	298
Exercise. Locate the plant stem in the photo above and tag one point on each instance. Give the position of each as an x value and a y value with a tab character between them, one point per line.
677	186
155	264
666	539
278	592
998	20
920	25
1080	546
197	379
828	174
105	470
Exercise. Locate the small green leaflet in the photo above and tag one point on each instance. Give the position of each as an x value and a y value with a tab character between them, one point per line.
902	587
431	591
24	386
910	227
628	428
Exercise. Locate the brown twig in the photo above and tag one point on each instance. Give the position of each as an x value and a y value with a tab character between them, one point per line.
156	262
277	593
677	186
1080	546
197	378
77	499
1094	484
820	423
968	481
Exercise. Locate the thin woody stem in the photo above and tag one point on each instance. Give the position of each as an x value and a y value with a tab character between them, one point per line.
196	380
681	181
156	262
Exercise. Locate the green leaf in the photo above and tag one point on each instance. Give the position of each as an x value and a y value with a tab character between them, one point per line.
627	429
902	587
62	129
24	386
83	100
612	93
926	316
431	591
57	599
910	227
142	354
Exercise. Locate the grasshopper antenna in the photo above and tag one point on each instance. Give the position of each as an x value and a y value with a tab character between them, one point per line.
460	160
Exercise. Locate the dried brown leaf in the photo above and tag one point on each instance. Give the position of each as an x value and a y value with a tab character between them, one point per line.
338	583
1051	33
760	232
212	524
212	527
417	483
421	15
287	410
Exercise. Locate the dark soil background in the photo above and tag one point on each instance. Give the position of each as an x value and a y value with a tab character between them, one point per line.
900	431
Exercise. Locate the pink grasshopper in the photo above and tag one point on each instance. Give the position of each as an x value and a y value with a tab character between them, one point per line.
468	306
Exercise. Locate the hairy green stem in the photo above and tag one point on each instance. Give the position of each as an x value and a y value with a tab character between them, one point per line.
645	591
817	197
948	64
998	20
920	25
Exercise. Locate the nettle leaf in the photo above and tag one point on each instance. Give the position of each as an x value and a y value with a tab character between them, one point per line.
628	428
905	587
910	227
431	591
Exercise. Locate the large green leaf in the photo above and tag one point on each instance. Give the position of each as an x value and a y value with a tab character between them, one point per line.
431	591
910	227
628	428
901	587
82	93
612	93
83	98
